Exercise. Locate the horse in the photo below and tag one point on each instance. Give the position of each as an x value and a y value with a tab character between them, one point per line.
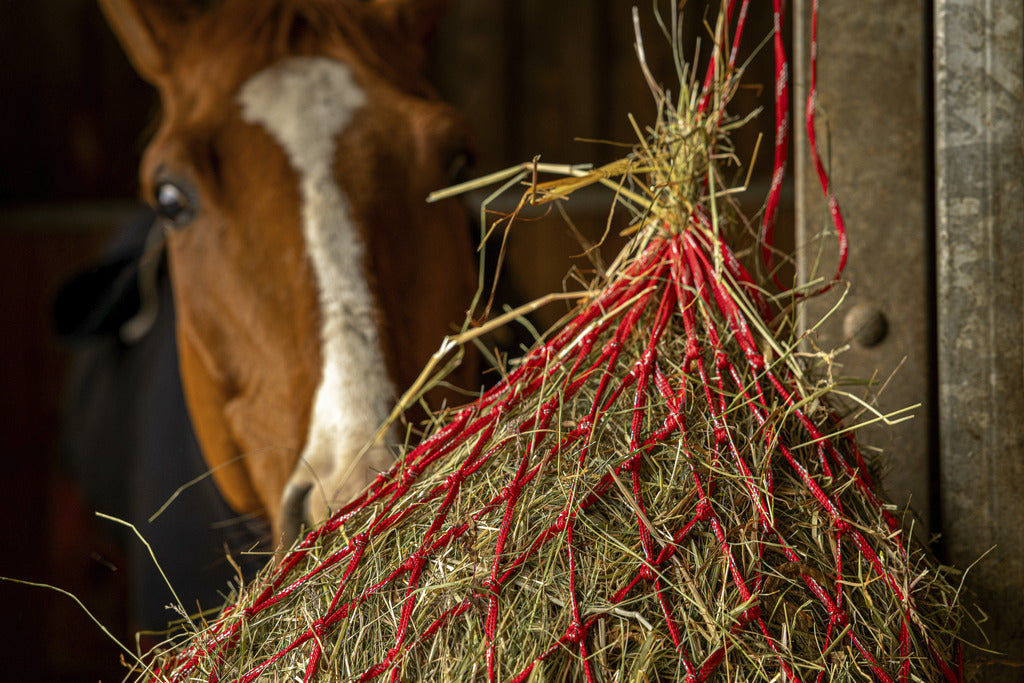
297	142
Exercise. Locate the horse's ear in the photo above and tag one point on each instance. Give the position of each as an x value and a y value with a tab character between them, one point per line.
416	19
148	31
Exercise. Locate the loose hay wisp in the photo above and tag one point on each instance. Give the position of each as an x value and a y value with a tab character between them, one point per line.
659	491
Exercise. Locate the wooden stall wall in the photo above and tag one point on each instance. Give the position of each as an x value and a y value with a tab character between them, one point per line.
559	81
532	76
72	117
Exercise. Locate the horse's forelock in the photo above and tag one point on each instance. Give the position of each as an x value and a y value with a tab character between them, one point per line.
353	31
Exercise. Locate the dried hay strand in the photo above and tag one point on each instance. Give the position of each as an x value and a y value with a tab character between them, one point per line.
659	490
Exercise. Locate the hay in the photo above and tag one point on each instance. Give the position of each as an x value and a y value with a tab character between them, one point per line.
660	490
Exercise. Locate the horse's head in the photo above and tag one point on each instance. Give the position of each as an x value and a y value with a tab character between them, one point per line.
296	145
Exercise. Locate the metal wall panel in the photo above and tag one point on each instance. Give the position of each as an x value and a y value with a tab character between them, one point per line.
927	160
873	129
979	132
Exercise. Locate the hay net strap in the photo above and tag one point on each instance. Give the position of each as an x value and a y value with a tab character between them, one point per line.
674	279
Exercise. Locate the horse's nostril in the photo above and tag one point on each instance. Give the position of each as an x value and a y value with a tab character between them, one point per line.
294	512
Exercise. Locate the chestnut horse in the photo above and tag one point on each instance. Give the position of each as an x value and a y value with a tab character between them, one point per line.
297	143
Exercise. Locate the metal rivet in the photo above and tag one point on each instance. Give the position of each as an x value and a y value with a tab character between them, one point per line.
865	325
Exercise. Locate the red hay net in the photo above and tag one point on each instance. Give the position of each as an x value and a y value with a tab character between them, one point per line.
684	292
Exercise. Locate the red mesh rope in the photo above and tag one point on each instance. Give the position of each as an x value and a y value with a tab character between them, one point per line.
672	293
674	279
782	146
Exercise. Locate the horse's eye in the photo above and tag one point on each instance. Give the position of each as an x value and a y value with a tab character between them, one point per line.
174	204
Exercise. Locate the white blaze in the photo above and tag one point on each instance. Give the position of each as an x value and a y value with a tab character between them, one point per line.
305	103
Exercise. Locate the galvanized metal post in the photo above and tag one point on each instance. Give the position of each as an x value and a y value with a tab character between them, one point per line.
979	163
873	111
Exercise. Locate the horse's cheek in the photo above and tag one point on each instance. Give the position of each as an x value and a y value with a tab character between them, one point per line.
206	399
